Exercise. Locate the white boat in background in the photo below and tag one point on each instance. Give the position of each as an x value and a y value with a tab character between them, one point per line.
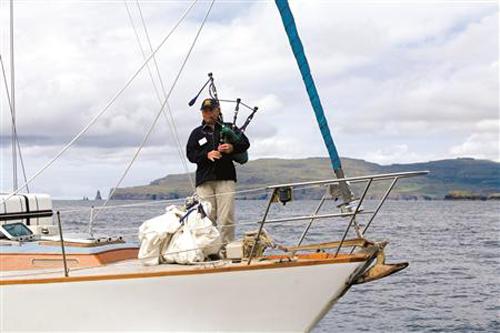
52	281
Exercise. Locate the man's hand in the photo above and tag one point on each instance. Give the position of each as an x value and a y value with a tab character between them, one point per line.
214	155
226	148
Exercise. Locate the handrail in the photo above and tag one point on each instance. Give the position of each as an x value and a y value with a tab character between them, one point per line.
352	213
353	217
26	215
61	239
313	217
257	236
383	176
316	211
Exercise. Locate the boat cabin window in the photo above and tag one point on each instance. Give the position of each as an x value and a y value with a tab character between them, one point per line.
15	231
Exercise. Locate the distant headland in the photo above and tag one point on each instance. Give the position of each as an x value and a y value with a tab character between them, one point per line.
451	179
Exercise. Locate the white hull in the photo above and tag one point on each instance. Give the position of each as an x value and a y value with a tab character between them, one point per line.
287	299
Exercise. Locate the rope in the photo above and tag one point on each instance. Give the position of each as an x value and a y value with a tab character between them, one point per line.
106	107
13	98
172	121
13	122
156	202
131	21
152	126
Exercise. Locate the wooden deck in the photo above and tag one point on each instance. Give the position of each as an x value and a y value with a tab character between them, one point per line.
133	269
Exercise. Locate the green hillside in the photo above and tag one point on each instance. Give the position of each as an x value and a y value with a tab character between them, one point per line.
462	175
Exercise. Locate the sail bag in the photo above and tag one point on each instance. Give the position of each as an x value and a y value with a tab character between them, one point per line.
179	236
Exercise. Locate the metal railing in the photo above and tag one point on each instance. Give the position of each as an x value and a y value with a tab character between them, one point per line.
350	210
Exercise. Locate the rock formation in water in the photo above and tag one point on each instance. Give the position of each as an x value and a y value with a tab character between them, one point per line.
98	195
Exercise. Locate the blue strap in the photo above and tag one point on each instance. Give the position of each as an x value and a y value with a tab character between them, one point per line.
198	207
305	71
184	218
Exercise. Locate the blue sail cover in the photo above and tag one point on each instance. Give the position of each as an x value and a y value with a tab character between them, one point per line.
305	71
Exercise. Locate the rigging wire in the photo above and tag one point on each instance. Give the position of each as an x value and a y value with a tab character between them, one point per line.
153	124
157	202
106	108
16	137
13	98
138	39
170	122
183	199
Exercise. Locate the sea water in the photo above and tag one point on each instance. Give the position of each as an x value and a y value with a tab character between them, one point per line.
451	285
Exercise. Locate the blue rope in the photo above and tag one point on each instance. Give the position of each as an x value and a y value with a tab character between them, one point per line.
305	71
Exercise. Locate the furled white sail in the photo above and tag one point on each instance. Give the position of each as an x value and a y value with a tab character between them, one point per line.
179	236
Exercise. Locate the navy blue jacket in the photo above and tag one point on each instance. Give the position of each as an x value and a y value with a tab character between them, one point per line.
203	140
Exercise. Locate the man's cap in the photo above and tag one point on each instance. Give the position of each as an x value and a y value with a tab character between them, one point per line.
209	103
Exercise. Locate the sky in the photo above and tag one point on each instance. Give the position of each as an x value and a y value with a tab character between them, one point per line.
400	82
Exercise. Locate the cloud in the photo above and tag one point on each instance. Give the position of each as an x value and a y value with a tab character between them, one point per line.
388	154
484	142
399	83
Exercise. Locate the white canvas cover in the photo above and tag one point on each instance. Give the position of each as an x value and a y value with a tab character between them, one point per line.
27	202
165	239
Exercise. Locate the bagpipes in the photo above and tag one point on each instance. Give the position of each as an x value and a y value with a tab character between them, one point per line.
229	134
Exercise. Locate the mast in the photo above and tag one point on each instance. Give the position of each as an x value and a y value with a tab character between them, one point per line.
12	99
305	71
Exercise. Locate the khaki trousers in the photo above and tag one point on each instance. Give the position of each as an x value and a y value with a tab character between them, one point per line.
220	194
